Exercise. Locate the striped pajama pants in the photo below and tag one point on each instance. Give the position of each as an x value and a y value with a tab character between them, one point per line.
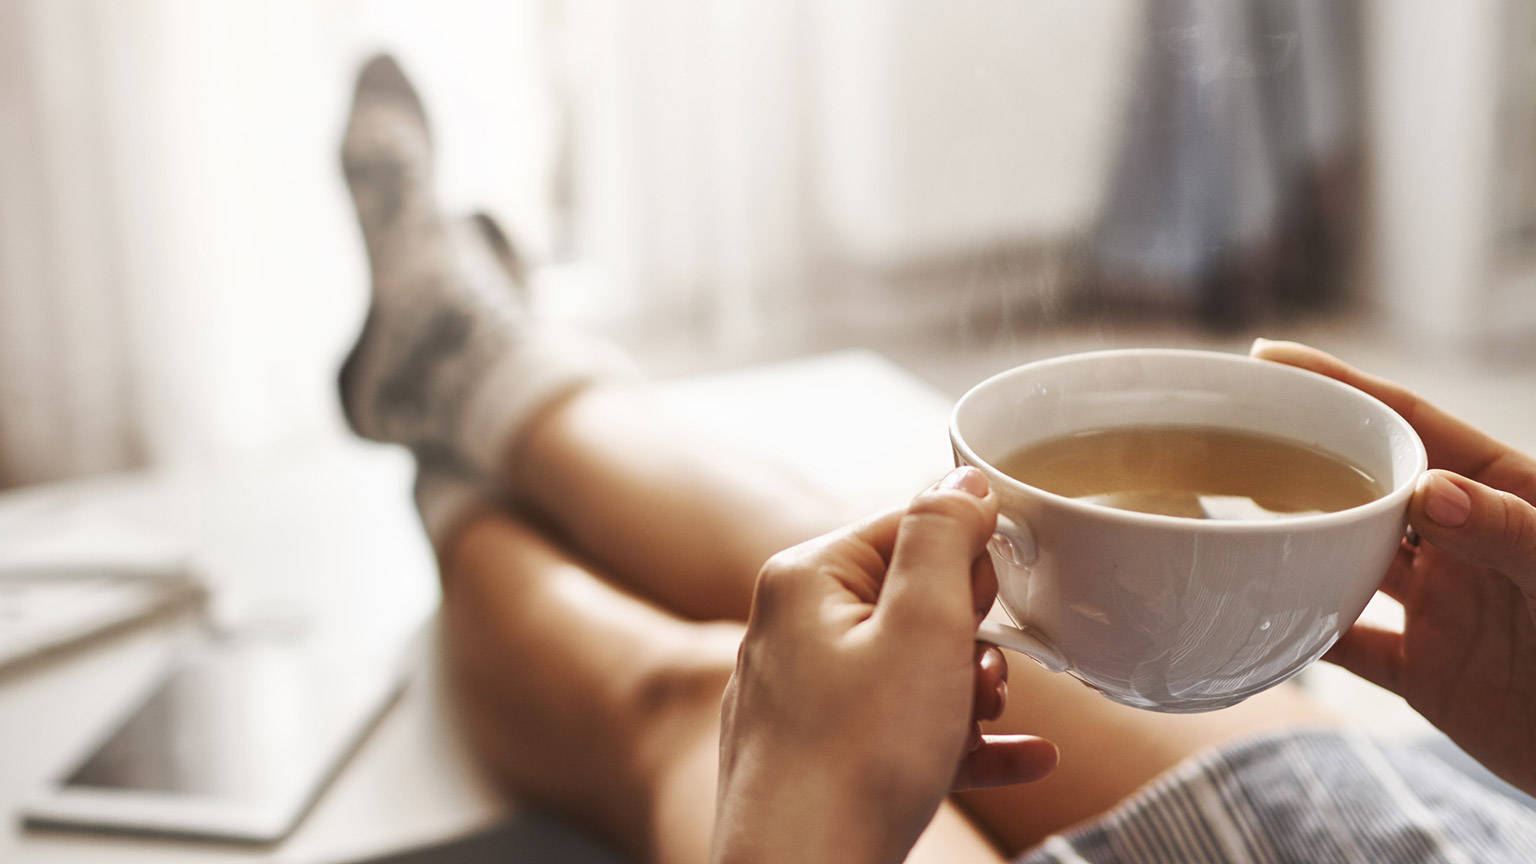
1306	796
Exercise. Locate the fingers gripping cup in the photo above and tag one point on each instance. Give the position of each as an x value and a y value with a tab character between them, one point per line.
1183	529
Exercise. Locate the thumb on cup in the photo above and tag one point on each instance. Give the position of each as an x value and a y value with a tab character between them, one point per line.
943	531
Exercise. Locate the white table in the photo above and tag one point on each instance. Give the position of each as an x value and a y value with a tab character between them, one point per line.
327	537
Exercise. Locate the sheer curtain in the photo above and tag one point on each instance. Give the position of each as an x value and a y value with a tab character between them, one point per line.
179	269
684	127
750	168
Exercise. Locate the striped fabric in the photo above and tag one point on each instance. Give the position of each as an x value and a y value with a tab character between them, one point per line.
1307	796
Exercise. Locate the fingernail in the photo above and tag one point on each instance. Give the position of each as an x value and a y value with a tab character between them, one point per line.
1258	345
1445	503
966	479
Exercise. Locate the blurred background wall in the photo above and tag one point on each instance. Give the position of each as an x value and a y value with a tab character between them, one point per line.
719	181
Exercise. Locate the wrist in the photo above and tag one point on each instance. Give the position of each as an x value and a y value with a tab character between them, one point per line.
772	812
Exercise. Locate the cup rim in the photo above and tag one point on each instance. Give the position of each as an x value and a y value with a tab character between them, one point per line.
1395	498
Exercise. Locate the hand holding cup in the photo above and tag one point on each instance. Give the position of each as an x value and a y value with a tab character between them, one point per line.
1466	655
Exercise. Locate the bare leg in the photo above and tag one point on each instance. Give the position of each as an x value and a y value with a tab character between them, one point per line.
597	704
678	517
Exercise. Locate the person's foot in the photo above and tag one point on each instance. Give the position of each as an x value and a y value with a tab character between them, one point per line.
449	361
506	254
386	157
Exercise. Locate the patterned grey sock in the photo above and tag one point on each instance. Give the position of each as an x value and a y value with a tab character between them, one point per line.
446	497
449	359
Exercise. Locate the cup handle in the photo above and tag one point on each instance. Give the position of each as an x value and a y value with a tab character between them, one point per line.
1024	642
1014	543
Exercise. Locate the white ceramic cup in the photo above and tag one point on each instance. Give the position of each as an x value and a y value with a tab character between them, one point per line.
1168	613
